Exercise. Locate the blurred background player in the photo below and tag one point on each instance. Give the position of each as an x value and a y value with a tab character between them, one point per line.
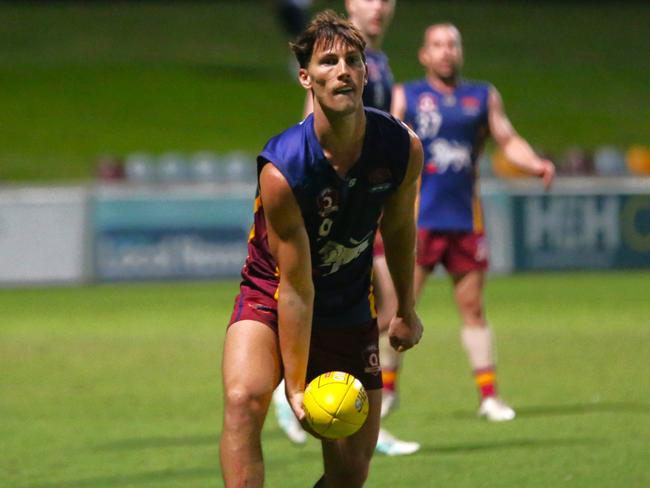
293	16
306	303
372	18
453	118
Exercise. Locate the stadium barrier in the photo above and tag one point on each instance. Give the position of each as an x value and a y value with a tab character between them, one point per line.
43	235
118	232
170	232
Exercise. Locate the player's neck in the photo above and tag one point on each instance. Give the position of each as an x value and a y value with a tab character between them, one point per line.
374	43
341	137
444	85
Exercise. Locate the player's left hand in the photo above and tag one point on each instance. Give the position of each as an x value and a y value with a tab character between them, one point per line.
547	173
295	400
405	332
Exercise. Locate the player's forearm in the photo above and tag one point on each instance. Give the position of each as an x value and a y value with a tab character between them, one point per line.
295	319
399	245
517	150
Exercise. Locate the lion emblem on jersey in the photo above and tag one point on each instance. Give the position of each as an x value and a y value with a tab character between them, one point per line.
333	255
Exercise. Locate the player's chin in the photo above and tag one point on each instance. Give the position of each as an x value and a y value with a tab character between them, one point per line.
375	29
344	105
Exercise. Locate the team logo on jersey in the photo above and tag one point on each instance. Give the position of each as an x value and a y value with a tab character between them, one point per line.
448	155
333	255
427	103
380	180
379	175
430	167
470	105
427	119
328	202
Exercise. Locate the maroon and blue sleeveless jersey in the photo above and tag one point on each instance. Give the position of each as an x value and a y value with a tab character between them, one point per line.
377	93
340	215
452	128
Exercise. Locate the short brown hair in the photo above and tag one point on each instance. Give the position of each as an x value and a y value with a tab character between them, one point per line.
326	27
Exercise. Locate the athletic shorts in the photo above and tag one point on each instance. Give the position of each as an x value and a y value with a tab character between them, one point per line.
458	252
353	349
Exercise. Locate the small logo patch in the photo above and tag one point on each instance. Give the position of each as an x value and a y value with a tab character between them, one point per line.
379	175
380	188
328	202
371	359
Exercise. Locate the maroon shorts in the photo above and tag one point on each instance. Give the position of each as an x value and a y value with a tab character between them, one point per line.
251	304
351	349
459	252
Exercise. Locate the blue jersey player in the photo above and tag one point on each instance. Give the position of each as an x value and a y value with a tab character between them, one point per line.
306	302
372	18
453	117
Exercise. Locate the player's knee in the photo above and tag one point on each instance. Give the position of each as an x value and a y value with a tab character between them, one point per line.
353	472
471	306
242	405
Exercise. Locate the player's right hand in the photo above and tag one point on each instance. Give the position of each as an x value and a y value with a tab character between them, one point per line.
548	173
405	332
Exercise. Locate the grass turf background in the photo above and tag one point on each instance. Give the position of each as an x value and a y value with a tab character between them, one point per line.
119	386
81	79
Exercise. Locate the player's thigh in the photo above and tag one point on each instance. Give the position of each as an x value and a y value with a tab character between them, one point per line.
251	364
468	293
469	284
355	452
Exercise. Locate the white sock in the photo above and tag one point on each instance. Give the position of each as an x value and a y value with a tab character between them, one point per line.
478	343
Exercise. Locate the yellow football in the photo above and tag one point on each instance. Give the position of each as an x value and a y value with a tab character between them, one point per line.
336	404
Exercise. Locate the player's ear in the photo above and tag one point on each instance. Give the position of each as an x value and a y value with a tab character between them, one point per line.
423	57
304	78
365	77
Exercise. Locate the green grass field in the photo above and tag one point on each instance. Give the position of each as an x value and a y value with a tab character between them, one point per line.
81	79
119	386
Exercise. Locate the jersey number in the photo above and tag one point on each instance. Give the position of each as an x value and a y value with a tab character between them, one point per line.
325	227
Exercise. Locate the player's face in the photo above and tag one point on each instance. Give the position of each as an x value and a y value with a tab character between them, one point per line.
442	52
372	17
337	75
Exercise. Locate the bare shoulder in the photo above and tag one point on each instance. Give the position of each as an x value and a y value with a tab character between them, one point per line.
398	102
494	97
416	156
273	185
279	202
